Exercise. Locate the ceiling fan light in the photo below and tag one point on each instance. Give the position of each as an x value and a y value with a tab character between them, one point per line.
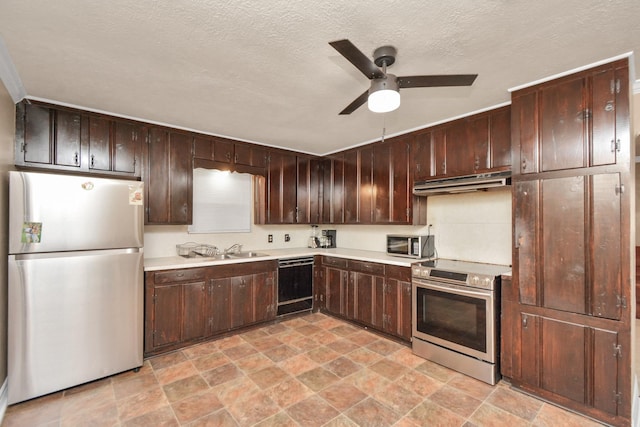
383	95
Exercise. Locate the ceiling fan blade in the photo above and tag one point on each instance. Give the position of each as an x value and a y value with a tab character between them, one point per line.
356	104
357	58
437	80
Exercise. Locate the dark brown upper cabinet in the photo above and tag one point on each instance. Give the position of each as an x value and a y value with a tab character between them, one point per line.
51	137
225	154
169	196
476	144
48	137
572	122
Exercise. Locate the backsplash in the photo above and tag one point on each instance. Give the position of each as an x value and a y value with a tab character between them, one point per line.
469	227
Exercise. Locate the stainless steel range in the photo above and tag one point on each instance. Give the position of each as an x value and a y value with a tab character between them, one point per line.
455	312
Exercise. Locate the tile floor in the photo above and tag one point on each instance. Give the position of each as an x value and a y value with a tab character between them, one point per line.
312	370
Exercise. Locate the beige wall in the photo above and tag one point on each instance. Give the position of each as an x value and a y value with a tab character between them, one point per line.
7	135
469	227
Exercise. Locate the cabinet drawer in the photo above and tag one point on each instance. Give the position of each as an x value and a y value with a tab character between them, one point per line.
335	262
400	273
183	275
367	267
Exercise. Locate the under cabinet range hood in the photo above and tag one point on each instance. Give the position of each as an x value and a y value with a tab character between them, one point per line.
462	184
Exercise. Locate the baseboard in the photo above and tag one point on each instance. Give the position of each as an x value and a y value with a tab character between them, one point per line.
4	399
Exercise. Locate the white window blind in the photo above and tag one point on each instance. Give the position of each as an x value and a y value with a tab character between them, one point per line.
221	202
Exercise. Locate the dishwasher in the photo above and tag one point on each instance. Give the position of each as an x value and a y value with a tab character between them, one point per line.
295	285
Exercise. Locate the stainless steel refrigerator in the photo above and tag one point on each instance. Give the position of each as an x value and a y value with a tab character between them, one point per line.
75	281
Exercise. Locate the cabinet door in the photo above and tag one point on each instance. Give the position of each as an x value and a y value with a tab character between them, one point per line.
581	213
241	301
609	114
157	182
562	125
315	177
303	190
404	310
334	290
525	254
202	148
99	143
459	153
319	286
524	132
439	143
181	178
333	190
281	188
365	188
67	138
567	359
401	189
167	315
352	186
500	138
250	155
421	156
220	305
382	158
264	297
195	316
169	196
478	141
364	286
128	140
37	124
397	302
222	150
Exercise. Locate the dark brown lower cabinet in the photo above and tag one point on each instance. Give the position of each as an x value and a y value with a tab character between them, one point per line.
185	306
371	294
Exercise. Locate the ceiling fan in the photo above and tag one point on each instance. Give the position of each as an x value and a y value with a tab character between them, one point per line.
383	95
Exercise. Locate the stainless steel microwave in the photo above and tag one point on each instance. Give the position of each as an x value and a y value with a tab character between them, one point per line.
411	246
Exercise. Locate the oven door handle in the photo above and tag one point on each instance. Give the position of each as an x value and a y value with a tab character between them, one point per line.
458	289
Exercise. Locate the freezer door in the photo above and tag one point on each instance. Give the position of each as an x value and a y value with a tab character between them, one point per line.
53	213
72	318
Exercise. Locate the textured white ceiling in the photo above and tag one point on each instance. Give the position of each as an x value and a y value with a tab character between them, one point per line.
263	71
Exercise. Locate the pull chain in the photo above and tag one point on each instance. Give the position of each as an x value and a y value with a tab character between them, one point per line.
384	127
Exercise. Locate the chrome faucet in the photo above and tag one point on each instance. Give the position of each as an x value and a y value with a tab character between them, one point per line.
235	248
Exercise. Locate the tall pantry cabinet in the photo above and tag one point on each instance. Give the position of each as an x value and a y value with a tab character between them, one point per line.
567	313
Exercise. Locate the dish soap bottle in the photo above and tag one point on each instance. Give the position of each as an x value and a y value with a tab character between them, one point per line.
313	239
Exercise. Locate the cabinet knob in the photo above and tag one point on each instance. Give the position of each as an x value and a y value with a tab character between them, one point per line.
524	165
92	161
75	158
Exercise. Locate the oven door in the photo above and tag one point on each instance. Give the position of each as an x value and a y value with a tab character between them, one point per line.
455	317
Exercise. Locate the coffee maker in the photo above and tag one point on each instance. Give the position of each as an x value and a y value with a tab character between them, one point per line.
328	238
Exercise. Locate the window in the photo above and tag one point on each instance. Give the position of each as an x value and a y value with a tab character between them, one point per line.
221	202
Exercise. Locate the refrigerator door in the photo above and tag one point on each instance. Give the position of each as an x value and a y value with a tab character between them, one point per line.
73	318
53	213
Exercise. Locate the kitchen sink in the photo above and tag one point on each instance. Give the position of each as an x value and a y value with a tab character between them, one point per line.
246	255
222	256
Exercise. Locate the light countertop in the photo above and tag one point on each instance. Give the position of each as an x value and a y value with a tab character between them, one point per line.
173	262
